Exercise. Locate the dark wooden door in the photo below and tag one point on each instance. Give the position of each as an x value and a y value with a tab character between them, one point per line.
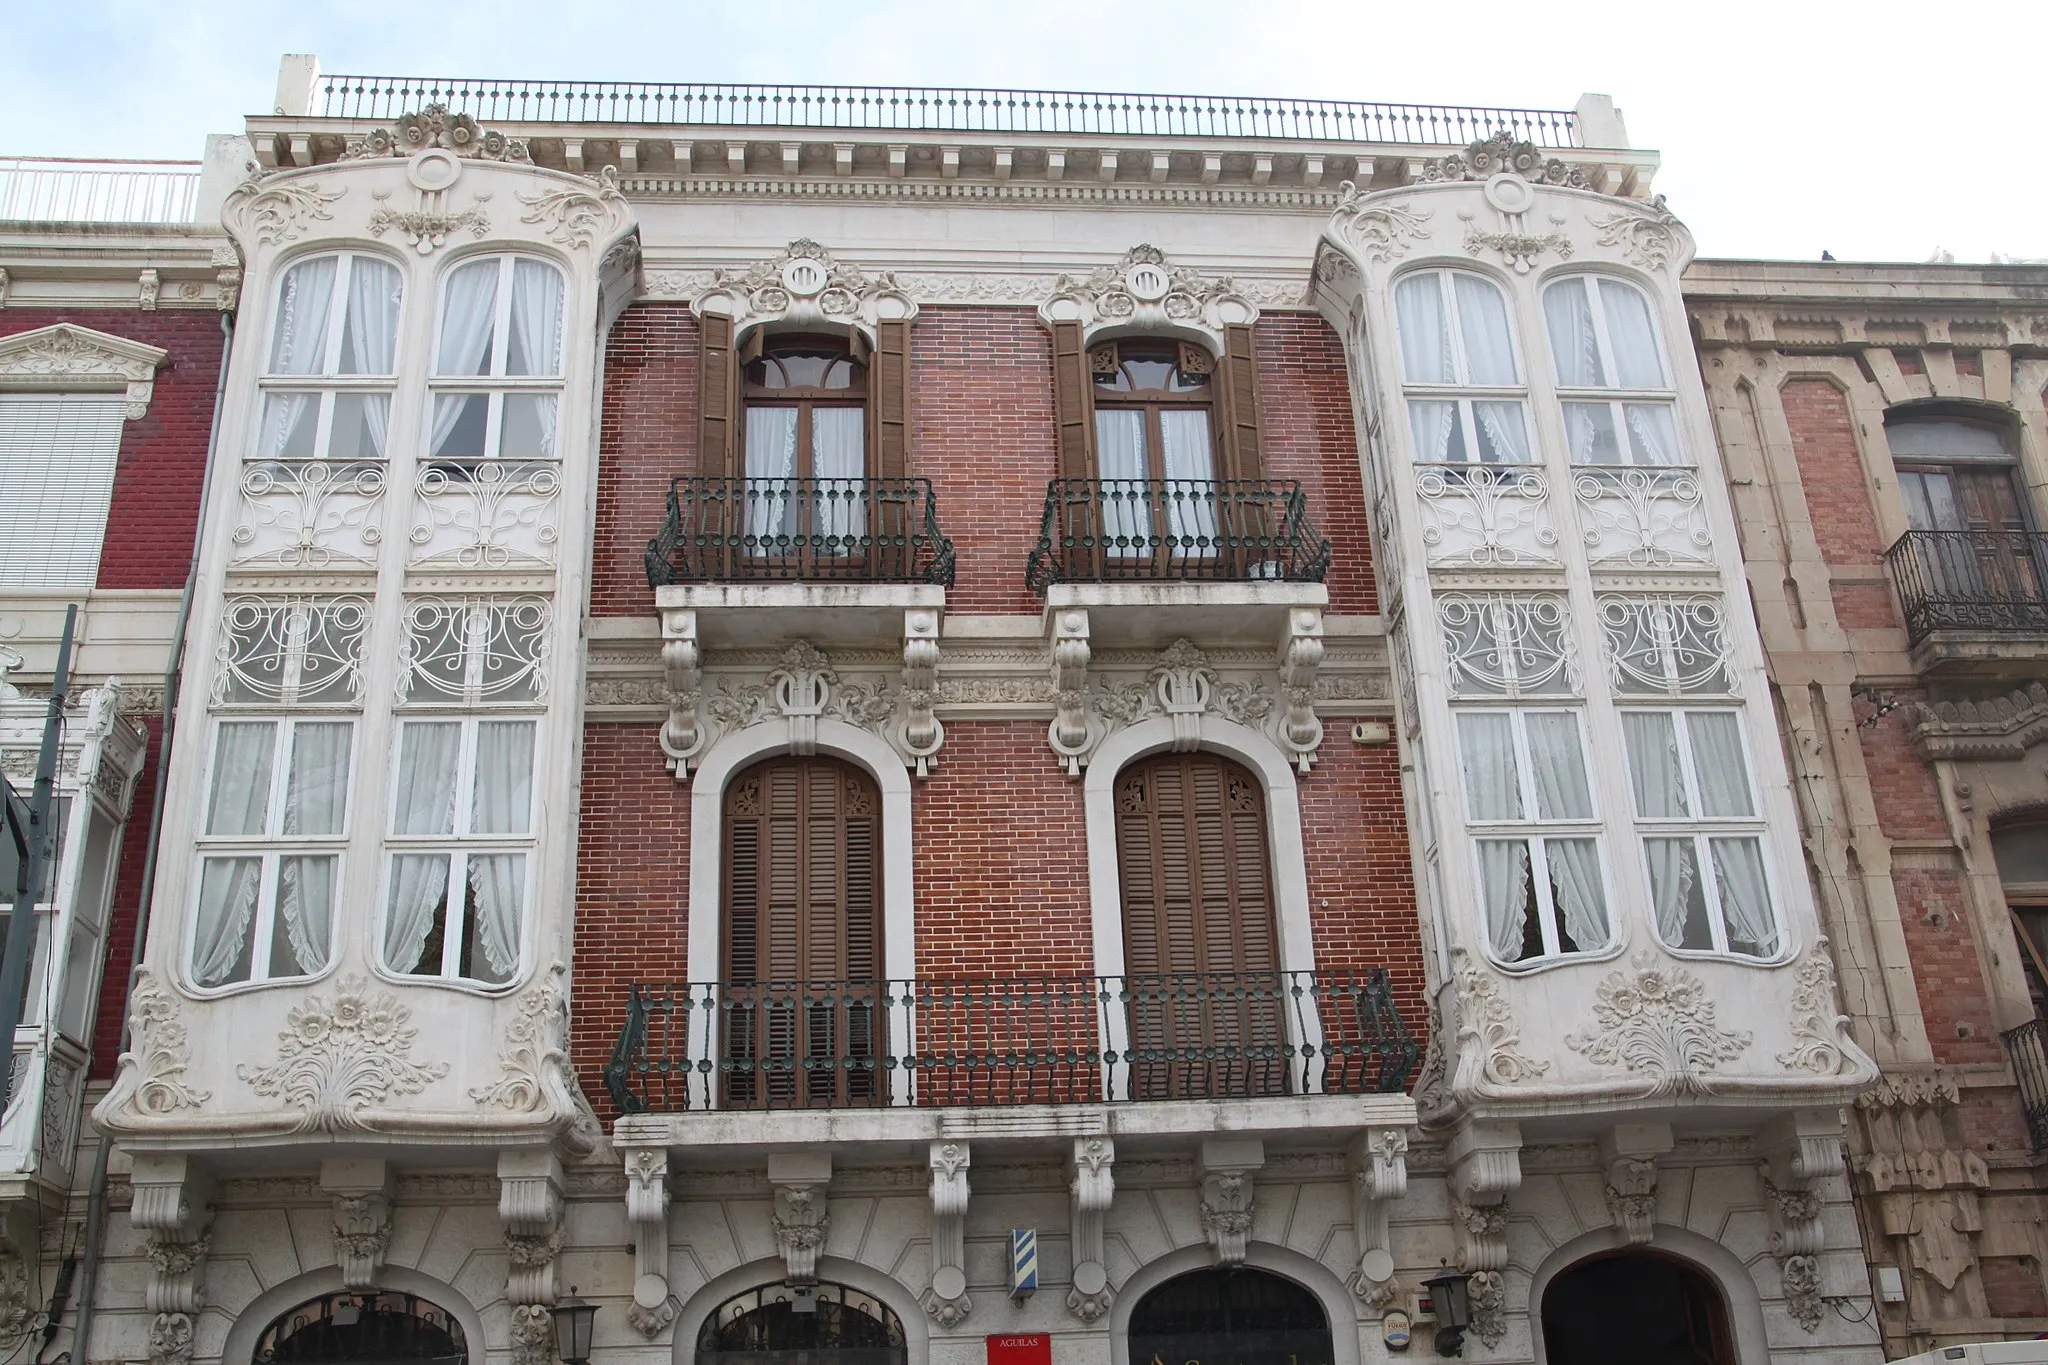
1981	551
1203	994
801	1004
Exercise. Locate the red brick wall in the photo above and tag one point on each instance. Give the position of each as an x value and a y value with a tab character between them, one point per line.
106	1044
1934	909
647	436
1306	401
1361	884
1908	805
154	516
1824	443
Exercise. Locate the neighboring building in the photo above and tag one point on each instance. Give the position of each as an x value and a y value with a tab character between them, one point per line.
1884	432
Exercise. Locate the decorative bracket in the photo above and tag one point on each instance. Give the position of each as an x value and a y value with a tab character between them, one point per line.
804	287
1628	1153
1301	654
530	1206
1486	1167
1071	735
361	1188
1144	292
1379	1177
1800	1149
682	736
1228	1166
921	734
946	1300
654	1306
173	1208
1093	1187
802	1214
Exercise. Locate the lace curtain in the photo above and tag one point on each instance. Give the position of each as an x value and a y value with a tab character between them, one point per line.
536	347
1575	888
1655	769
1632	336
502	803
1425	341
227	904
469	311
1437	438
1574	345
771	461
1504	886
305	895
370	338
1718	763
1745	896
1489	341
1492	790
838	460
425	804
1189	459
1120	459
1557	763
298	346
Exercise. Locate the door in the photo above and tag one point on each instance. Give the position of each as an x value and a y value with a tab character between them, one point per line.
1203	995
1636	1307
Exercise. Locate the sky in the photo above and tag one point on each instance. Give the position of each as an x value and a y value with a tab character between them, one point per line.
1875	131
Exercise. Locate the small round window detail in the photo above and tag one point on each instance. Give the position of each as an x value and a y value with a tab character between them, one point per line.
363	1329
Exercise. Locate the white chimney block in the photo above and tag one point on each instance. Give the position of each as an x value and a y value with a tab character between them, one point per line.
298	77
1600	122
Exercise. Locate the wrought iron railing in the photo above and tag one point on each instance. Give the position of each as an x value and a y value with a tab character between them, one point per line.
1153	530
1020	1040
938	109
800	530
2027	1049
1971	580
62	190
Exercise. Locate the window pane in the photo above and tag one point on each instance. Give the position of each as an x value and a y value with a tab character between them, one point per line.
1745	897
1507	896
416	912
1557	762
528	427
503	794
221	939
1652	433
298	340
1120	443
369	331
1439	437
1576	892
1492	787
497	903
1654	765
1943	439
316	795
1502	437
1589	427
427	755
1489	344
462	423
469	311
242	755
771	461
305	912
1425	340
1717	761
838	461
1573	342
1633	336
1677	899
535	346
360	423
291	426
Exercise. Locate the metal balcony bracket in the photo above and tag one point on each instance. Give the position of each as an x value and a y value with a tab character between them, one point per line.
173	1208
1379	1176
654	1304
803	1214
361	1190
682	736
1629	1154
530	1206
1800	1149
1228	1166
946	1299
1300	655
1072	736
1486	1167
1093	1187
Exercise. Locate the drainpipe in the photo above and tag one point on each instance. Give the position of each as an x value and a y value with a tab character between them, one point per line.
96	1199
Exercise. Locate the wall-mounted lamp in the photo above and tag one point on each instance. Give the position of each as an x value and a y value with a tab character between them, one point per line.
1450	1294
574	1320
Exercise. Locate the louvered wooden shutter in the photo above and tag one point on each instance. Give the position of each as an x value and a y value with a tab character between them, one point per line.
1073	402
717	400
889	400
57	458
1243	433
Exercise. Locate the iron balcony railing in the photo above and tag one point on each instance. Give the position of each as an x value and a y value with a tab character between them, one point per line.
2027	1049
938	109
1971	580
62	190
800	531
1157	530
1008	1041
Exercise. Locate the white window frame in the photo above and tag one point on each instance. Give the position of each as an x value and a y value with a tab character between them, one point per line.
271	847
494	383
1461	391
326	384
1613	396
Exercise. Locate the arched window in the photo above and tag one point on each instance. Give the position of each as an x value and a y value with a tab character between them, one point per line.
332	361
802	937
362	1329
825	1324
497	376
1611	377
1459	369
1968	541
1231	1316
805	447
1635	1306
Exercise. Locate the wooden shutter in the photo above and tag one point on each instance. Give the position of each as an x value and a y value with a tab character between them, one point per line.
889	401
718	400
57	458
1073	397
1243	435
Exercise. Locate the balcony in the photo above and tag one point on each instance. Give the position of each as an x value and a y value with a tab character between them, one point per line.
2026	1047
63	190
1973	597
912	1047
800	531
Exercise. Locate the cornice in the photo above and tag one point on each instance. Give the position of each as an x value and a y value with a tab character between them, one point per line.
1309	202
670	277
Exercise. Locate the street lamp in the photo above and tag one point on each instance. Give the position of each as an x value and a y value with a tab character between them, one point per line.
573	1322
1450	1294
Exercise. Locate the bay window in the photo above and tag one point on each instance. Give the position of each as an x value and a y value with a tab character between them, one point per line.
1459	369
331	365
1616	393
498	362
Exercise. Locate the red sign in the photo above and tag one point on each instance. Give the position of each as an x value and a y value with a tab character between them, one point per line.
1035	1349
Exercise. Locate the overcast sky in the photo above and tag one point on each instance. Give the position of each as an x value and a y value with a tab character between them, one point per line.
1876	130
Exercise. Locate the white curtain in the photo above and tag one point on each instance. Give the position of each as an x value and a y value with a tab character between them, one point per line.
497	890
771	462
1558	765
1190	462
1652	433
1573	343
419	889
1653	764
1632	336
527	428
536	341
1575	886
242	754
503	801
1120	458
227	902
1589	431
1504	886
1745	896
1483	318
316	792
1437	438
1425	341
298	346
427	757
468	313
305	893
370	335
1718	763
1492	791
1503	438
838	459
1673	875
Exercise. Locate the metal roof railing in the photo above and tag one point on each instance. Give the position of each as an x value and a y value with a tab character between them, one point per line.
63	190
937	109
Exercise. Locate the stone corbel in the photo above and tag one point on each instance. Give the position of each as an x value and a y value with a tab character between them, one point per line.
1628	1154
1228	1168
802	1214
682	734
1184	684
530	1206
1486	1167
361	1189
921	735
1300	655
148	284
654	1306
1071	736
946	1300
227	278
1800	1149
1379	1177
173	1208
1093	1187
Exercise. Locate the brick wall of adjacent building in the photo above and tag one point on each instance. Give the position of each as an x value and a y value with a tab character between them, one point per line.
647	436
1310	436
1838	498
126	903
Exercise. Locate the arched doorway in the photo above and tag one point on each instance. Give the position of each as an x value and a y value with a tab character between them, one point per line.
1639	1307
363	1329
829	1324
1230	1316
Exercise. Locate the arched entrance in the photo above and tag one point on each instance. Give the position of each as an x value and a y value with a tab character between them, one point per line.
362	1329
1639	1307
1230	1316
830	1324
